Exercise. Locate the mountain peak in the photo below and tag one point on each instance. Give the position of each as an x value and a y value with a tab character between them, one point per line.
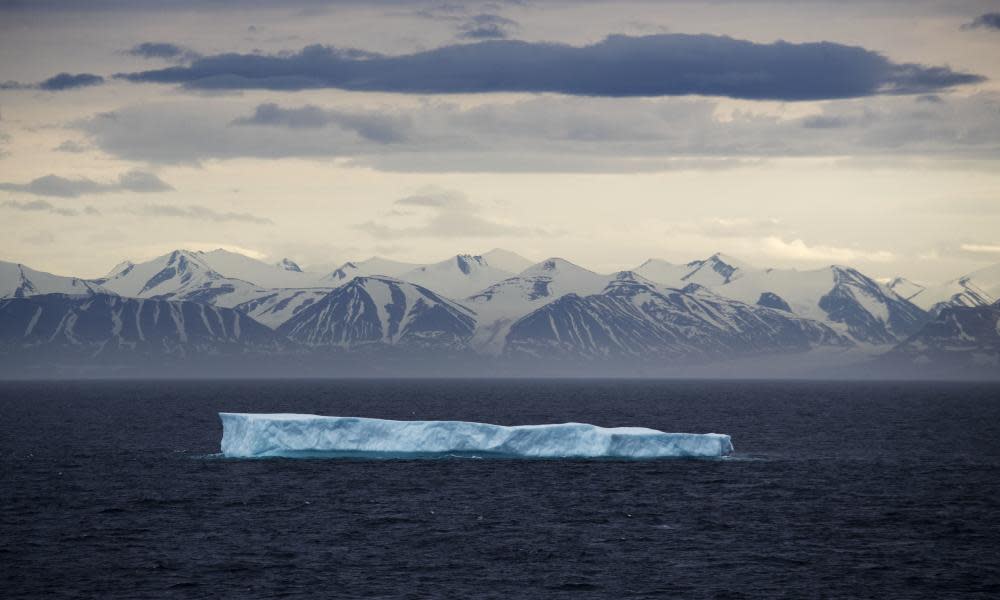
288	264
629	280
720	257
632	277
715	270
651	262
505	260
551	265
122	267
467	262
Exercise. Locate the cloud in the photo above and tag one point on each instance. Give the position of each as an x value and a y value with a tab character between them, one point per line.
486	27
62	187
57	83
449	214
981	248
798	250
824	122
45	206
202	213
71	146
436	198
376	127
552	134
40	238
164	50
726	227
67	81
140	181
618	66
984	21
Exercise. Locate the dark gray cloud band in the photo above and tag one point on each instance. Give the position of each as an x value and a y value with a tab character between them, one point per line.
619	66
63	187
44	206
986	21
162	50
553	134
370	126
57	83
486	27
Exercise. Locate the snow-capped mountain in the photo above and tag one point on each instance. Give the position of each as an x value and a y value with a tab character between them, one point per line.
634	318
274	307
905	288
715	270
717	309
285	274
180	275
505	260
383	311
456	277
287	264
217	278
122	266
19	281
372	266
979	288
102	325
958	340
839	296
499	305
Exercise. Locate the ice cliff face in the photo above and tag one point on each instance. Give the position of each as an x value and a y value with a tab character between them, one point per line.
291	435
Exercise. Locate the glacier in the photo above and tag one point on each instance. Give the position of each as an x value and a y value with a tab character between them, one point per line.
247	435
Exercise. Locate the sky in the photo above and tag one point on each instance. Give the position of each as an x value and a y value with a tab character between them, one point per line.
788	134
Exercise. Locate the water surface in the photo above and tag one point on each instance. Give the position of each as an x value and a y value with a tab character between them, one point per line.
837	490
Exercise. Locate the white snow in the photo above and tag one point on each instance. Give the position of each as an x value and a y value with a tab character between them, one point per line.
663	272
506	260
228	272
294	435
802	290
503	303
978	288
456	277
710	272
372	266
274	307
237	266
906	288
123	265
17	280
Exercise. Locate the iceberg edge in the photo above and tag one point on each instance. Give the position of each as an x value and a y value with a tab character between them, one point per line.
254	435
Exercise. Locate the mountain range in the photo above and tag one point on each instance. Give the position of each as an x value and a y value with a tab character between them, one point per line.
496	313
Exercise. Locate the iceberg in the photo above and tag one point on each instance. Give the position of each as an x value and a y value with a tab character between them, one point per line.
246	435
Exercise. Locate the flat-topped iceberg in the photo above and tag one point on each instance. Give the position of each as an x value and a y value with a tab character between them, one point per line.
247	435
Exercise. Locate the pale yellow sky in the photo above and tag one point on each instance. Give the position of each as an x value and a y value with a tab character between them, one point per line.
907	190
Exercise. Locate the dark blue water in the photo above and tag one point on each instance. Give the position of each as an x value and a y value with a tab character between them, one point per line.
839	491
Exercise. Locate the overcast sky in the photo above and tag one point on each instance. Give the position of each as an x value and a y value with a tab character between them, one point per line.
789	134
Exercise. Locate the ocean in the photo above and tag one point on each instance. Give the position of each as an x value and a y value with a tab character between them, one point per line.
114	489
